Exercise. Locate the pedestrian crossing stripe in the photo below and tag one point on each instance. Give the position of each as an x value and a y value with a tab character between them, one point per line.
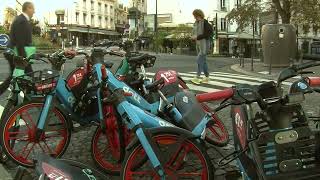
220	80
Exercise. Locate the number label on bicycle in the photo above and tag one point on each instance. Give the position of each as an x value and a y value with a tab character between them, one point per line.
240	125
169	76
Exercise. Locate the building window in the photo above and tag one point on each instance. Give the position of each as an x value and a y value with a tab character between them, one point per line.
100	21
106	8
238	3
60	19
99	7
223	24
77	18
106	20
85	19
92	5
223	4
92	20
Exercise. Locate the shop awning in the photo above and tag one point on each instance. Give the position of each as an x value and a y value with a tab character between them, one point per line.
243	35
178	35
93	31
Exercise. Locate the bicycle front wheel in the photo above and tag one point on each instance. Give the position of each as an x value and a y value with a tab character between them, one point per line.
21	140
183	159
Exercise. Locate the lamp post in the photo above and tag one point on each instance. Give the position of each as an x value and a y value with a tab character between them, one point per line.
88	26
156	26
253	43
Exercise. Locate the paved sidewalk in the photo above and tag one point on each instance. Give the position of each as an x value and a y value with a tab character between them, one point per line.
261	70
4	174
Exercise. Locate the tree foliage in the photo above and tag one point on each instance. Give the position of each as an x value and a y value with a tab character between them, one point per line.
246	13
299	12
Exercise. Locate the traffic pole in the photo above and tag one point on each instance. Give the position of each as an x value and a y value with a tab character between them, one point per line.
156	27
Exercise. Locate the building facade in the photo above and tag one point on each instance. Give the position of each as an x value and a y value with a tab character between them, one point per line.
229	38
87	21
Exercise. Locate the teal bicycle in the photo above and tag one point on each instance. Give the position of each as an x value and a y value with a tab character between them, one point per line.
17	68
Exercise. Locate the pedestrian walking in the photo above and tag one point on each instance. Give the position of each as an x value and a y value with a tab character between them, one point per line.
21	32
202	31
143	43
170	45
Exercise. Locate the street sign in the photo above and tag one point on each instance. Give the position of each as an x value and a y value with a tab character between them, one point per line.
4	40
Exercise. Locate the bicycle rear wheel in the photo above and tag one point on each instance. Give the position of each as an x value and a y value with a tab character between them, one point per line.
183	159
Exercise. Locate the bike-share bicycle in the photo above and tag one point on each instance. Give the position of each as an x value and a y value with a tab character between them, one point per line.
276	142
172	138
17	66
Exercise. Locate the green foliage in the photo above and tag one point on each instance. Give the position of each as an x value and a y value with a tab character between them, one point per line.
182	35
3	31
41	42
299	12
246	13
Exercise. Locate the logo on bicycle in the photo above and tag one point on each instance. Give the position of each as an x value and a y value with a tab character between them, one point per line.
165	123
54	173
240	126
136	96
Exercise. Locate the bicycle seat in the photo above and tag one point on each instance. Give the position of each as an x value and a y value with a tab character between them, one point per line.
138	59
108	64
54	167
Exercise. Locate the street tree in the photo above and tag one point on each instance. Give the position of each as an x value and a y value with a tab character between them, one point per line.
298	12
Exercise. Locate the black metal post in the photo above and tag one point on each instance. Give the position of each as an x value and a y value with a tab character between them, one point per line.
270	64
253	44
88	35
156	27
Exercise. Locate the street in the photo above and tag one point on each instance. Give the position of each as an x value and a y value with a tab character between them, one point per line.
221	77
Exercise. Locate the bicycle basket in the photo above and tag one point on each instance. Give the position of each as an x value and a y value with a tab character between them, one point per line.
38	82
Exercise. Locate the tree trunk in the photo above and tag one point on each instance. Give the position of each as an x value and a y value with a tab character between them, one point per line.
284	10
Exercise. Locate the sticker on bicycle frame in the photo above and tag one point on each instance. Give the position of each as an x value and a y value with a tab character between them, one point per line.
54	173
163	123
75	79
240	126
169	76
136	96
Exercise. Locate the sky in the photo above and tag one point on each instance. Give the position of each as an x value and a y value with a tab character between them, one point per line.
184	7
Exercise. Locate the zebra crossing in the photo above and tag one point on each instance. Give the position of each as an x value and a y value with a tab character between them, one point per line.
219	81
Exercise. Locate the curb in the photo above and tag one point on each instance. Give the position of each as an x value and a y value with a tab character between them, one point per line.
4	173
237	68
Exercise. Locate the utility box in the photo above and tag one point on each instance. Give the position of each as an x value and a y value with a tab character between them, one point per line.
279	44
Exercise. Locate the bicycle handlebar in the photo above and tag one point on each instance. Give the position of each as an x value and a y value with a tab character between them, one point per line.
215	96
313	81
154	85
